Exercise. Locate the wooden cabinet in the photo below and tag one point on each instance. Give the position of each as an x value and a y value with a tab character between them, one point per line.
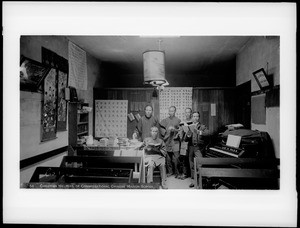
78	122
82	121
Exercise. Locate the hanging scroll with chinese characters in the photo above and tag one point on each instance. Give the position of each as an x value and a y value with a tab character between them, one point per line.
180	97
49	107
61	65
62	103
77	67
111	118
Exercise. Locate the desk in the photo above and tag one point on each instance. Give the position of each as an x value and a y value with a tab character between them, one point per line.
64	175
95	151
110	157
261	168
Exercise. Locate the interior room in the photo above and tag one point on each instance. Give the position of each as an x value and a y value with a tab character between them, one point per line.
83	100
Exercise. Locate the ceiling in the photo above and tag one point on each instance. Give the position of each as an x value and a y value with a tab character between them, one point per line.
183	53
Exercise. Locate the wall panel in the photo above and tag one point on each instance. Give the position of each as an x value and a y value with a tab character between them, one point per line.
201	101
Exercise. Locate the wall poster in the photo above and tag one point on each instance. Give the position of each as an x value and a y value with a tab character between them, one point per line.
111	118
61	65
77	67
61	102
180	97
49	107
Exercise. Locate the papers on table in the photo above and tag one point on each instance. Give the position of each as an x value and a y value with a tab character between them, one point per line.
234	126
117	153
128	153
135	144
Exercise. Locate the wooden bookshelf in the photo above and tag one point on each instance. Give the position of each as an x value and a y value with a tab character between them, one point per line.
78	122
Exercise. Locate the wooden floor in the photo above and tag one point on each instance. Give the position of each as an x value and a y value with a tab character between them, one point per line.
174	183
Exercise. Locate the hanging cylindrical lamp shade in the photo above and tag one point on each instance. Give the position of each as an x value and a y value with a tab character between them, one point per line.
154	68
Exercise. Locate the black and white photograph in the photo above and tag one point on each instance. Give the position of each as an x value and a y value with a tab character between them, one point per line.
154	119
205	121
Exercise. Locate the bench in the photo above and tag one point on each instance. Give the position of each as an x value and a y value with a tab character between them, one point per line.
64	175
260	168
135	163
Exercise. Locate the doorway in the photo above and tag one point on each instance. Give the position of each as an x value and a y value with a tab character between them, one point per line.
243	104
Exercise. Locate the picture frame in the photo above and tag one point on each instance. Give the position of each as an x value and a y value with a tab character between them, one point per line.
262	79
32	74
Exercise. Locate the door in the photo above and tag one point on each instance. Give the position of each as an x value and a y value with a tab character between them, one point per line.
243	104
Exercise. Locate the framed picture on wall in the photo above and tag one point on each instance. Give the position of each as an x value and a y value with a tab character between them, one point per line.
32	74
262	79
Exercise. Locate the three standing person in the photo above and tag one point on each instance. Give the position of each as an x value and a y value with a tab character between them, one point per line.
180	147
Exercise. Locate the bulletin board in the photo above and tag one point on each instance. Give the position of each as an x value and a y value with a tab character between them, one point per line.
180	97
49	107
111	118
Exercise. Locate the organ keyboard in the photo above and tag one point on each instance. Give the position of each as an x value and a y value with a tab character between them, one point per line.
225	151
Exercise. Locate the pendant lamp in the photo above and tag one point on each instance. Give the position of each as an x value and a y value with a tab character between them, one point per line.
154	68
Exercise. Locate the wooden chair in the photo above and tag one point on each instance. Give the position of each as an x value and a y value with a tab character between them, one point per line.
235	168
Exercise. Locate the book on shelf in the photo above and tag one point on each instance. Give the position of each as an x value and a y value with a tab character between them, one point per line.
138	116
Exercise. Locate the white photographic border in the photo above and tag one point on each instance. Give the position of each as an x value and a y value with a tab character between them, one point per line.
140	207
